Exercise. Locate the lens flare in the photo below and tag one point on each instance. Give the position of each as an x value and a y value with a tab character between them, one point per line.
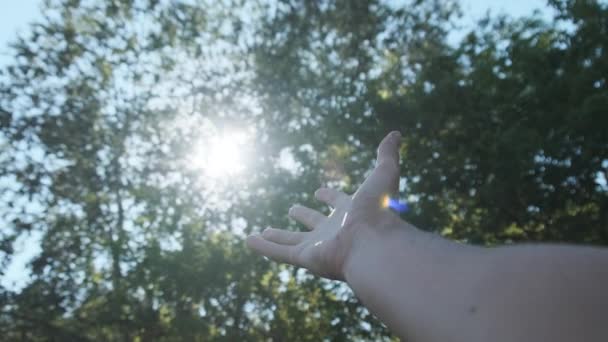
394	204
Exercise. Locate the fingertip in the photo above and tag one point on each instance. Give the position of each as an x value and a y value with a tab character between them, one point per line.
248	241
320	193
394	138
255	243
389	147
292	210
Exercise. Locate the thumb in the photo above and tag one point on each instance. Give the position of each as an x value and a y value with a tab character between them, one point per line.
384	179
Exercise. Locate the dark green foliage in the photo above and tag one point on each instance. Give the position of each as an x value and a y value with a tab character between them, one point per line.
506	140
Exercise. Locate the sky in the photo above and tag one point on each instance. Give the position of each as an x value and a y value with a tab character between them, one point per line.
476	8
16	15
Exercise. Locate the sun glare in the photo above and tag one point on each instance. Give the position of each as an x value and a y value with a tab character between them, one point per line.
221	156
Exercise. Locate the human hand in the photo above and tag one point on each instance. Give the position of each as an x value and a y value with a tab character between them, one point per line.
332	239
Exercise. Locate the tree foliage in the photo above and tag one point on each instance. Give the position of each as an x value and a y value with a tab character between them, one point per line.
505	140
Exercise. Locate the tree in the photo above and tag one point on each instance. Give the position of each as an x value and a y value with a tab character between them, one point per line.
106	103
503	133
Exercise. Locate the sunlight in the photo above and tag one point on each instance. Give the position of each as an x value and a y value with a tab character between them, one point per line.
220	156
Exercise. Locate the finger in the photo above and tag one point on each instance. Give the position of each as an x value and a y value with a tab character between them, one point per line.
384	179
331	197
388	150
274	251
283	237
310	218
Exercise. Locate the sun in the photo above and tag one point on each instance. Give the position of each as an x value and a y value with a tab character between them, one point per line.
221	156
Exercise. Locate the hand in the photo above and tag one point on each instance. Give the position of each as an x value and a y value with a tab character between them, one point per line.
332	239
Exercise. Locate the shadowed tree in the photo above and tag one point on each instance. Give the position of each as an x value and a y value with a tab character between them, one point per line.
103	109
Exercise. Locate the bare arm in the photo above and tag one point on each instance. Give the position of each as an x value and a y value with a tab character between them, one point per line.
426	288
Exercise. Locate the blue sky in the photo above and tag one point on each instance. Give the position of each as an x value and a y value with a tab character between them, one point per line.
16	15
476	8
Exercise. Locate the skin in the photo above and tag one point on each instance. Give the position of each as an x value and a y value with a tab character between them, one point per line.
427	288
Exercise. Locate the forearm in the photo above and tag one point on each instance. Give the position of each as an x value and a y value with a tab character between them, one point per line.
545	293
426	288
417	283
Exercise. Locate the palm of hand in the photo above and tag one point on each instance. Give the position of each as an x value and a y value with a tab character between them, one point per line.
325	248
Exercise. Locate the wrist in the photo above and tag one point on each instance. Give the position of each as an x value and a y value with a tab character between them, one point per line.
376	246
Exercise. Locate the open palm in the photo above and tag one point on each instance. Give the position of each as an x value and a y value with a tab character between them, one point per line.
331	239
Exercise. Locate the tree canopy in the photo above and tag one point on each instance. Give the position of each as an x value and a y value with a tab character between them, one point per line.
107	104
